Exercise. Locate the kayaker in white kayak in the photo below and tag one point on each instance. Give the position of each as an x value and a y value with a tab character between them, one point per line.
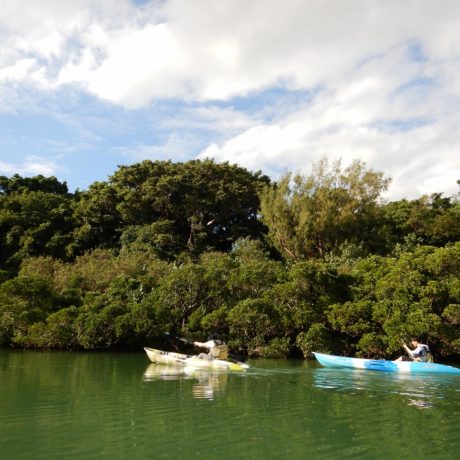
421	352
217	349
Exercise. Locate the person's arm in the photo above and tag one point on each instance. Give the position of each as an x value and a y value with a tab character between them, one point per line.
209	344
408	350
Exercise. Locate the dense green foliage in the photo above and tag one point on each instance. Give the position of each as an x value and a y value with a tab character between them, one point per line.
183	248
312	216
35	219
171	208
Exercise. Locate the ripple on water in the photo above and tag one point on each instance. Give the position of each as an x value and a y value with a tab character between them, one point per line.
418	391
109	406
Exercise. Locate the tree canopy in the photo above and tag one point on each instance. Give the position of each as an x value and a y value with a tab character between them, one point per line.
311	216
180	207
310	263
36	218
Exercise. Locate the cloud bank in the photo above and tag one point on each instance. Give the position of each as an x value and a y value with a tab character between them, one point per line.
275	85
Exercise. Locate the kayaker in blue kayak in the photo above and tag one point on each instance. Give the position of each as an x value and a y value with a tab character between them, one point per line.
421	352
217	349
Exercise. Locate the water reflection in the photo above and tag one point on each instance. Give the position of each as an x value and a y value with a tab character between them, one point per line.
109	405
163	372
208	383
421	391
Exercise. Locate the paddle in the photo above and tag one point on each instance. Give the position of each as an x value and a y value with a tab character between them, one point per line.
231	358
178	338
407	349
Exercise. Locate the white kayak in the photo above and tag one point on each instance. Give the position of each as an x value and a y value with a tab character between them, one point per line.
179	359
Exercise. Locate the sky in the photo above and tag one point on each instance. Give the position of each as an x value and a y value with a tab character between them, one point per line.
86	86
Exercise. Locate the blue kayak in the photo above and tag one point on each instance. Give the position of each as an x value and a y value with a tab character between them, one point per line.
408	367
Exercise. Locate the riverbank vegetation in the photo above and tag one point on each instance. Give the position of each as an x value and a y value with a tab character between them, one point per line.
277	269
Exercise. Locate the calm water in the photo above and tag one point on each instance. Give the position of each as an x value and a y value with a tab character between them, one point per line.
117	406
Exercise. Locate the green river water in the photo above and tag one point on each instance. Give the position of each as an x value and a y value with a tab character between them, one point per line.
118	406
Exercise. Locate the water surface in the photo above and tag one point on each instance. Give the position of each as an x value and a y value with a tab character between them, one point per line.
118	406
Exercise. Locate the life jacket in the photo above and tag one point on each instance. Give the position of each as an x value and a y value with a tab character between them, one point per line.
220	351
424	355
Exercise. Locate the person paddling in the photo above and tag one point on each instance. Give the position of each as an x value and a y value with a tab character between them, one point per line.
217	349
421	352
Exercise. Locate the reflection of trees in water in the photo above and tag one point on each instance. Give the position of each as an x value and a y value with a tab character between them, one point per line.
365	405
84	401
418	387
208	382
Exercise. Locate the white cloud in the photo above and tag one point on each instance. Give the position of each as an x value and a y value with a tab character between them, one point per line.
32	165
38	166
141	64
222	121
174	147
408	130
7	168
18	70
207	50
384	75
